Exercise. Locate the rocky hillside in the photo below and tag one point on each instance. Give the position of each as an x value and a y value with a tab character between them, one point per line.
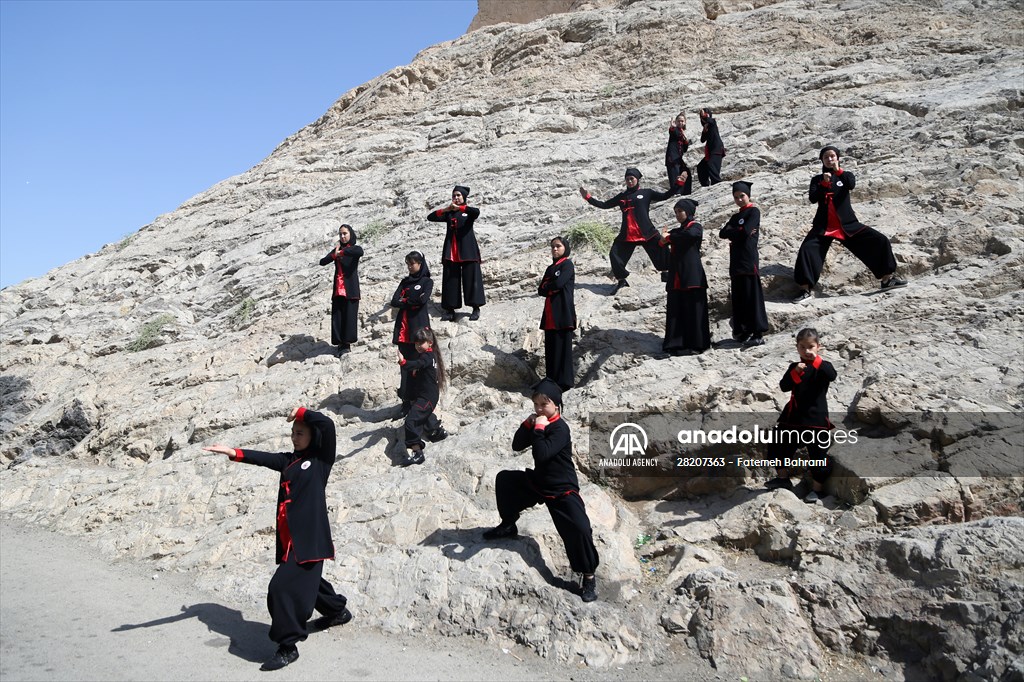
208	324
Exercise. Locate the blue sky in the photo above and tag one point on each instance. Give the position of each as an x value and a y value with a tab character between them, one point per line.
112	113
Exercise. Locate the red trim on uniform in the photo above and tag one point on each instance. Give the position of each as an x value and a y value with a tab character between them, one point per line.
633	232
816	363
238	456
744	208
588	196
314	561
795	375
283	531
300	414
439	213
401	361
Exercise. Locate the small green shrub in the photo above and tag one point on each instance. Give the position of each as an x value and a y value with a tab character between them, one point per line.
594	235
125	241
608	91
372	230
150	332
243	313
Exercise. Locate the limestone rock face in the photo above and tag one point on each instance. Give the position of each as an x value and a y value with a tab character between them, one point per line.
209	324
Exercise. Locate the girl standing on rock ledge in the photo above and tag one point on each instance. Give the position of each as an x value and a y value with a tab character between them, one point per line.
411	298
675	164
804	420
460	257
687	330
749	318
636	228
303	533
425	383
835	219
345	294
559	317
552	482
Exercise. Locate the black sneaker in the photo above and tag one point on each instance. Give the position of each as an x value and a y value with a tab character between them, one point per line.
754	341
776	483
742	338
621	284
588	589
285	655
893	282
475	315
325	622
448	315
438	435
414	457
501	531
803	296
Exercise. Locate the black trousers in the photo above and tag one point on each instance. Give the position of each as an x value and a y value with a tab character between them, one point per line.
686	320
514	494
558	357
458	279
709	170
622	251
674	171
421	419
344	320
748	313
802	438
295	590
870	246
408	351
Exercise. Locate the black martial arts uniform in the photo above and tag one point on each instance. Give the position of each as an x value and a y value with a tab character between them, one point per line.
749	317
552	482
559	320
686	310
636	228
709	170
675	164
411	298
833	220
804	419
303	531
345	296
460	258
423	394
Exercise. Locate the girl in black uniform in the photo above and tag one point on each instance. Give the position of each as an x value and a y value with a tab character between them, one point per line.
411	298
749	319
804	421
559	318
675	164
303	533
553	482
636	228
425	383
460	258
345	296
709	169
687	330
835	219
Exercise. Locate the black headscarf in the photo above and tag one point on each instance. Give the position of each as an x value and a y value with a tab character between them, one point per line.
463	190
742	186
424	268
634	172
565	242
549	388
821	155
351	234
688	205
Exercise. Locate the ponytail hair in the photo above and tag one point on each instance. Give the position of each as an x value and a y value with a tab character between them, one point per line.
427	334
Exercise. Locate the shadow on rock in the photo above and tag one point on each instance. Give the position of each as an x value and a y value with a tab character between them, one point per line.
247	639
297	348
462	544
